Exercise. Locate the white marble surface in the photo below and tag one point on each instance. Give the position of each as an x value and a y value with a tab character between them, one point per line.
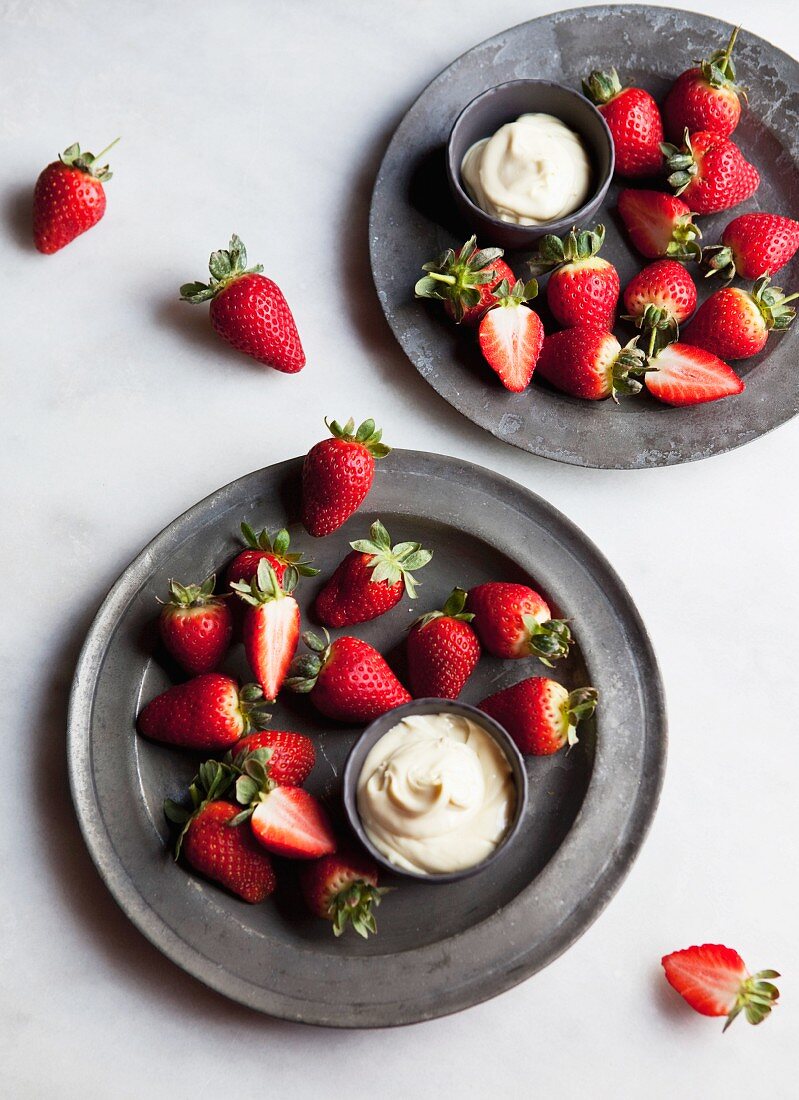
120	409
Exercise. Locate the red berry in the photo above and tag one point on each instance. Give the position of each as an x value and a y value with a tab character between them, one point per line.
512	620
705	97
465	280
337	475
734	323
209	712
710	172
271	627
634	121
753	245
583	289
274	549
540	714
69	198
342	888
292	755
589	362
713	979
511	335
660	225
196	626
443	650
686	375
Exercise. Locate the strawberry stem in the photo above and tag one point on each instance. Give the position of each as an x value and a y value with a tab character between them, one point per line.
107	148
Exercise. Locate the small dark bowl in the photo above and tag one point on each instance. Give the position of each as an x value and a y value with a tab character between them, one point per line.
504	103
382	725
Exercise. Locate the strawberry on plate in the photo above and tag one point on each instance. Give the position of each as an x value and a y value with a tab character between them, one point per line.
753	245
371	579
660	226
713	979
511	335
540	714
273	549
289	757
342	888
209	712
734	323
583	289
443	650
464	280
710	172
705	97
685	375
513	620
589	362
249	310
271	625
633	119
338	473
288	821
659	299
195	625
69	198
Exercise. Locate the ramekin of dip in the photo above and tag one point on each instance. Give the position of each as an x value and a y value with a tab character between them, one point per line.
528	157
435	790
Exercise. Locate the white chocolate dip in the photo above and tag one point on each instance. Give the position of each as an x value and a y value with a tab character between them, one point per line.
436	793
531	171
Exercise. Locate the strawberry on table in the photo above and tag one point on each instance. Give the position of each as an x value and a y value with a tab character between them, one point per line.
69	198
588	362
511	334
342	888
464	280
513	620
249	310
685	375
285	820
734	323
371	579
583	289
338	473
540	714
209	712
659	299
347	679
710	172
196	625
273	549
223	854
705	97
289	757
713	979
271	625
443	650
753	245
660	225
634	121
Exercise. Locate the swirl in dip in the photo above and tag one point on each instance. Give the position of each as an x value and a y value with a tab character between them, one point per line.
436	794
531	171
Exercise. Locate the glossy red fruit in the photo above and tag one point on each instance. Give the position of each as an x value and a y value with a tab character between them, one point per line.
274	549
583	289
511	335
291	756
634	121
713	979
658	300
705	97
464	280
249	310
443	650
347	679
686	375
710	172
196	626
540	714
342	888
209	712
589	362
271	627
290	822
337	475
69	198
753	245
513	620
735	323
660	225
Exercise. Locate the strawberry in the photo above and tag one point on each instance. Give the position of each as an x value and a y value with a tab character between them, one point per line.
583	289
660	225
634	121
208	712
289	756
337	475
342	888
512	620
69	198
753	245
223	854
285	820
249	310
347	679
713	979
588	362
710	172
511	335
443	650
371	579
540	714
464	280
685	375
196	625
271	625
735	323
269	548
705	97
659	299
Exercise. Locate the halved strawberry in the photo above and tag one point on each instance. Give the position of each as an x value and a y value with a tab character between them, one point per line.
286	820
511	335
714	981
685	375
660	225
271	626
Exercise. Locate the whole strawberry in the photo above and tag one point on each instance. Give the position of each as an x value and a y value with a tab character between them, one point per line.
286	820
660	225
713	979
583	289
347	679
540	714
338	473
223	854
705	97
273	549
513	620
288	757
271	627
511	335
196	625
342	888
710	172
464	280
589	362
69	198
249	310
209	712
634	121
684	375
753	245
659	299
371	579
734	323
443	650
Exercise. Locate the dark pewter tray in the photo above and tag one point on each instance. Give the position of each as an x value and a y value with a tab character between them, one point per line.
439	948
413	219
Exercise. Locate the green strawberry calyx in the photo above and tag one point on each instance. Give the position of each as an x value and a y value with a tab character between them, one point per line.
392	564
576	246
252	708
193	595
212	781
508	296
602	85
87	162
719	68
549	641
264	586
253	781
756	997
680	162
628	367
354	907
721	262
685	237
772	303
452	609
305	668
456	277
226	266
579	705
660	324
366	434
278	546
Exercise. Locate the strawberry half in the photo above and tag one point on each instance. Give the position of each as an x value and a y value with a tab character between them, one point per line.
285	820
540	714
713	979
464	280
511	335
338	473
195	625
753	245
660	225
685	375
513	620
443	650
271	625
273	549
69	198
342	888
583	289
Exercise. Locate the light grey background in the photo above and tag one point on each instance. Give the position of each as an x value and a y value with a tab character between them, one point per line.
120	409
